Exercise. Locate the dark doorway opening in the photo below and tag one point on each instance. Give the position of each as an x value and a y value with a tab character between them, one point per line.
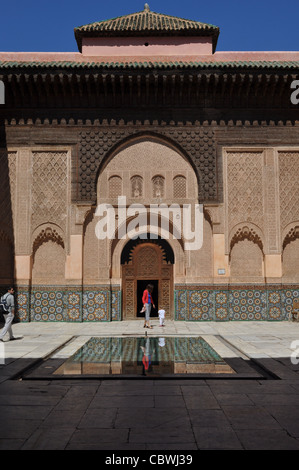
141	286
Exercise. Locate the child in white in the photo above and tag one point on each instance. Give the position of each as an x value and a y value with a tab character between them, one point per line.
161	317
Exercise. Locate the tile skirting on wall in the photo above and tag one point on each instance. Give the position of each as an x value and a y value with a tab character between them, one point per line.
67	303
192	303
231	303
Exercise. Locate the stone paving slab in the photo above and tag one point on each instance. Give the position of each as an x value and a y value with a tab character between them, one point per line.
216	438
259	440
136	415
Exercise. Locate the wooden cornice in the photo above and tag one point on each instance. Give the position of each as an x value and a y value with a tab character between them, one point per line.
135	88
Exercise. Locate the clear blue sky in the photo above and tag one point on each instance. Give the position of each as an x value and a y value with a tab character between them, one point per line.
245	25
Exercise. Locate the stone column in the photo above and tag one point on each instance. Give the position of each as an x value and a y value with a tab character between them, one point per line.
74	264
22	227
273	261
221	271
273	268
221	267
22	219
74	260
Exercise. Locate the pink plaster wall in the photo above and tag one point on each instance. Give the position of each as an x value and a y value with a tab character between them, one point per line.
156	46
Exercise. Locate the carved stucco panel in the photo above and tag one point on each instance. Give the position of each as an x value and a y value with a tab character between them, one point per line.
198	144
50	188
244	199
288	187
8	162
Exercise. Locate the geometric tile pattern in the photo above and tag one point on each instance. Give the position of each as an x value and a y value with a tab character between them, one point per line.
288	295
201	303
73	305
192	303
66	303
22	304
46	305
222	302
248	304
274	306
115	304
214	303
54	303
96	304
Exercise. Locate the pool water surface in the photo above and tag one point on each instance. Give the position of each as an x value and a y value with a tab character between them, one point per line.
147	356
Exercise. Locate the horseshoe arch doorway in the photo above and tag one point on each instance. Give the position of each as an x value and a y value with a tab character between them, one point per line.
147	261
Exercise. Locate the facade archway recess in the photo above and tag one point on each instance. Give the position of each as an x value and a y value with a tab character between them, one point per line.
145	261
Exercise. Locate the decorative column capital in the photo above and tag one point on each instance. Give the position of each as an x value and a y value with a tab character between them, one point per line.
81	212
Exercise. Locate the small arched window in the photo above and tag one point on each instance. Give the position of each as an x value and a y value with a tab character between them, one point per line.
158	186
179	186
115	186
136	186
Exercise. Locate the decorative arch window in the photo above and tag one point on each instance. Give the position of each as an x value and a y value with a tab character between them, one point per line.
48	256
179	186
246	254
290	255
136	186
158	185
115	186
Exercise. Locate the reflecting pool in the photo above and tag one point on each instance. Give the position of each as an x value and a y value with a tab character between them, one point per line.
148	356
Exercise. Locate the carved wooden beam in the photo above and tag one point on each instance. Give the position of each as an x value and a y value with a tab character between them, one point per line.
147	88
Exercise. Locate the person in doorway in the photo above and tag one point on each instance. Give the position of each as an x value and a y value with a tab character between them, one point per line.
9	316
147	301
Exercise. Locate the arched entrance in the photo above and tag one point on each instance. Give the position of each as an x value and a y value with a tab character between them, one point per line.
143	262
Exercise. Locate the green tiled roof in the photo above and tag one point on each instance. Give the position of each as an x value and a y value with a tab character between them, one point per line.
162	65
146	23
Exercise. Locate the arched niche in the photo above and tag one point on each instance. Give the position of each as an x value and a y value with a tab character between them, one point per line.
147	261
156	162
290	254
246	254
48	255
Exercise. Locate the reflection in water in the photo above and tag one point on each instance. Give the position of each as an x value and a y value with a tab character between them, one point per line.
147	355
150	356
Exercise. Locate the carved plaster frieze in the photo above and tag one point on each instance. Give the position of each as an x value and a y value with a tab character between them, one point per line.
97	145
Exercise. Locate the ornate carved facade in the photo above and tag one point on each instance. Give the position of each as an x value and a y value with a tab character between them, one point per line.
156	124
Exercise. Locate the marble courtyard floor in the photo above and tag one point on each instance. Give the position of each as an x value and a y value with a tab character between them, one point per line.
256	408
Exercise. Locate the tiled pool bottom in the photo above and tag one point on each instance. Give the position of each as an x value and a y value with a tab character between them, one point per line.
148	356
